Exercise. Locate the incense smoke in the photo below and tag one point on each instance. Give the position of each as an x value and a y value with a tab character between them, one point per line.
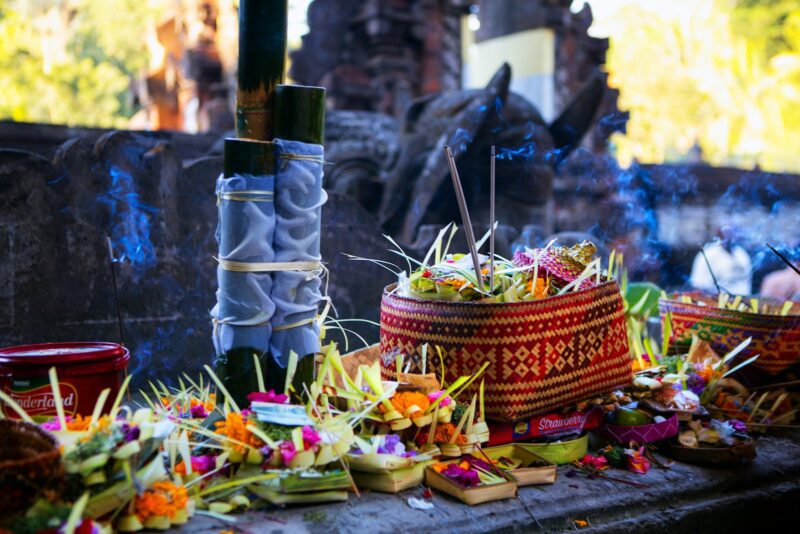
129	220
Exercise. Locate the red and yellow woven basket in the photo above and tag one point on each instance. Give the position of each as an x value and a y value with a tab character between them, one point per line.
543	354
775	337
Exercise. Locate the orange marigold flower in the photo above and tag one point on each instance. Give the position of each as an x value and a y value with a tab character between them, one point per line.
79	423
164	499
706	373
439	467
445	431
541	288
405	399
235	428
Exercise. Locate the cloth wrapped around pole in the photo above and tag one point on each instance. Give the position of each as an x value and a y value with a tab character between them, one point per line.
269	266
298	208
244	307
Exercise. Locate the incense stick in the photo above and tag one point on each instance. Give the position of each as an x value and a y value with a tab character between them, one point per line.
462	206
112	261
491	219
784	258
710	270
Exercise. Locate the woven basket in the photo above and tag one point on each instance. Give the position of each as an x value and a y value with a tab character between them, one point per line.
775	337
543	354
30	464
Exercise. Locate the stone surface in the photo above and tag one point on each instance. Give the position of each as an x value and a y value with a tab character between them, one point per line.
55	278
685	498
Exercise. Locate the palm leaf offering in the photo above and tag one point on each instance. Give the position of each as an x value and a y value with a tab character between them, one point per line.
533	273
193	449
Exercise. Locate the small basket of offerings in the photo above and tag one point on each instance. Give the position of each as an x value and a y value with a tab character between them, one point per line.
383	464
30	464
727	321
471	480
549	326
304	487
561	451
634	425
712	443
528	468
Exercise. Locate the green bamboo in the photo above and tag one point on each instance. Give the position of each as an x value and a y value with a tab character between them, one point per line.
300	113
246	156
262	65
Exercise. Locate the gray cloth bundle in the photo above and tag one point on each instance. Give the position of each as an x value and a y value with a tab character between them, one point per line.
268	234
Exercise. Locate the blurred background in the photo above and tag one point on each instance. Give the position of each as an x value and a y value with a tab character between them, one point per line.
653	127
709	80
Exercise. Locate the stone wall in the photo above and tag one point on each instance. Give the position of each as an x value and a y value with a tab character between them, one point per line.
158	207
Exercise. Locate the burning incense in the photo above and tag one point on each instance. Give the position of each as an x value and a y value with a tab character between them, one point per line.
491	219
112	261
710	270
784	258
462	206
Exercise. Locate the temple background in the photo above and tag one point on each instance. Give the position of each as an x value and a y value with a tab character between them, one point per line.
66	187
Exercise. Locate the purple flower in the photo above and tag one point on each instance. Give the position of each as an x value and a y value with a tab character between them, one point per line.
466	478
198	411
695	383
737	425
392	445
130	432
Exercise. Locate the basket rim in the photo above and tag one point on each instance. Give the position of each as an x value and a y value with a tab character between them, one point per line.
38	457
388	291
731	313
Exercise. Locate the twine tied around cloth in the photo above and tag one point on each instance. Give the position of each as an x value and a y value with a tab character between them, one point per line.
250	195
314	268
286	158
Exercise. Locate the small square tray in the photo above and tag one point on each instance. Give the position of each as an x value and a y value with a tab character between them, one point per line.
527	474
471	496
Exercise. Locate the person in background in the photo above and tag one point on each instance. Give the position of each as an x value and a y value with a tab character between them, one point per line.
731	264
783	284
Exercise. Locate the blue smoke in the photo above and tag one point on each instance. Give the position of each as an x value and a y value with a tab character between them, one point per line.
129	221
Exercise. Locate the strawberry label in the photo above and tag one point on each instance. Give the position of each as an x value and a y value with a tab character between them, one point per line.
38	400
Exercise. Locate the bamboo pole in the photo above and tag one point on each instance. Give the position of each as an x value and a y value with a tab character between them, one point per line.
300	113
262	65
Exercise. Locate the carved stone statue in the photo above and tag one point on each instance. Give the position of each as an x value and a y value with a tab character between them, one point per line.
406	182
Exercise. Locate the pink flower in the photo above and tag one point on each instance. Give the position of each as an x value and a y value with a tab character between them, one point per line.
436	394
594	462
54	425
269	396
287	451
310	437
203	464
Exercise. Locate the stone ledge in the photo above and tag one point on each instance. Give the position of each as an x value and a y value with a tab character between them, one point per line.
758	496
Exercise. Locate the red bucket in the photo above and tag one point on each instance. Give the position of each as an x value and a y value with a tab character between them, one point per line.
84	370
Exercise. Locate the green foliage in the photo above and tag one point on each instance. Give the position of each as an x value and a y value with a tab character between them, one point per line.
724	74
72	62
